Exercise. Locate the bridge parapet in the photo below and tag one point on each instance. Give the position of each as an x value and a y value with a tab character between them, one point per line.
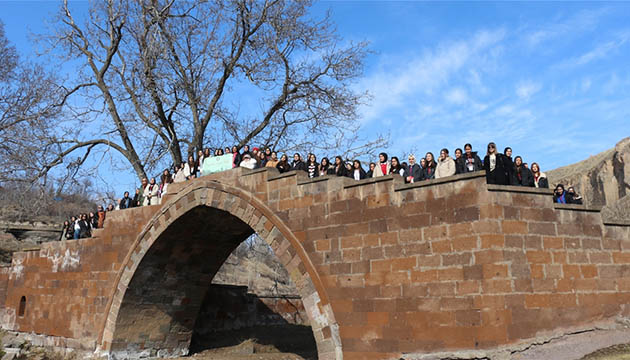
385	267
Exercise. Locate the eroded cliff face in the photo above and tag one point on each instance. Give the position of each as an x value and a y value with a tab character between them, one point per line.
603	179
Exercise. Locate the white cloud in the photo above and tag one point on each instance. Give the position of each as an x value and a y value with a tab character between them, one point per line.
600	51
526	89
586	84
399	81
584	20
456	96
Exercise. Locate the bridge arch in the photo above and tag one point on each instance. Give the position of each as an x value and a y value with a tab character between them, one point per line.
244	214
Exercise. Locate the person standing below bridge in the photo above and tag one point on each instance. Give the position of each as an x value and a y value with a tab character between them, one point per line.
445	166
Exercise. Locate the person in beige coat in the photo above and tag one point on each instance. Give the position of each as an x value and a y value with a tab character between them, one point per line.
383	166
445	166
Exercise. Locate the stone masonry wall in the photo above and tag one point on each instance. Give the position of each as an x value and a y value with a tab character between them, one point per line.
383	268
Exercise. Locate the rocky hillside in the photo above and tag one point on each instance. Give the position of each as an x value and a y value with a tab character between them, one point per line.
603	179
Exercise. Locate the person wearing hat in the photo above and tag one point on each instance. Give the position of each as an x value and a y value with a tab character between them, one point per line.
248	162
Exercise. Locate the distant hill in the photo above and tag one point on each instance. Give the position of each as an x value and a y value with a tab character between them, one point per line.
602	179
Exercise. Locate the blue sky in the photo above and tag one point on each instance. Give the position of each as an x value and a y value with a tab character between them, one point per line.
551	80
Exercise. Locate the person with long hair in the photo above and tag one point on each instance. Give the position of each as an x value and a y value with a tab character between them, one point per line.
370	172
273	160
324	166
165	179
395	167
357	170
540	179
338	168
200	157
459	161
382	166
236	156
494	164
522	176
312	167
445	166
180	176
428	170
283	165
190	170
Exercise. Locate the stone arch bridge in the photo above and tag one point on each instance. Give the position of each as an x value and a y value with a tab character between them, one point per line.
383	268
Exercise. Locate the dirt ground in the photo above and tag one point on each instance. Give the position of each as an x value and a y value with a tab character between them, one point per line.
287	342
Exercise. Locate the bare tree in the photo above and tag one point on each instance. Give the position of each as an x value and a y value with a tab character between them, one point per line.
29	114
158	76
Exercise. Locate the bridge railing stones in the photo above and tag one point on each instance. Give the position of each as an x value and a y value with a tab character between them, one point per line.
450	263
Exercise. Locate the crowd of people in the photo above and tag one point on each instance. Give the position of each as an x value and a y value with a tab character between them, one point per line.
500	168
81	226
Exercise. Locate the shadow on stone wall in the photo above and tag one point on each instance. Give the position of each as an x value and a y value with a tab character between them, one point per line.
230	316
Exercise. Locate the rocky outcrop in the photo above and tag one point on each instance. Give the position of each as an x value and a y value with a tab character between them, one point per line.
602	180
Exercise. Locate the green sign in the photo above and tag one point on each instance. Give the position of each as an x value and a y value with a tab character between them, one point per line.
215	164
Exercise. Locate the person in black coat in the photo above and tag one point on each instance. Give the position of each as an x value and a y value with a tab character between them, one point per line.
459	165
560	196
521	176
469	162
338	168
283	165
413	172
370	172
509	164
126	201
428	171
297	163
575	198
495	165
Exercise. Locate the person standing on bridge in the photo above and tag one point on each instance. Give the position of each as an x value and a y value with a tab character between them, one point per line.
138	199
125	202
101	217
414	171
383	166
445	166
312	167
428	170
297	163
151	193
540	179
495	165
190	170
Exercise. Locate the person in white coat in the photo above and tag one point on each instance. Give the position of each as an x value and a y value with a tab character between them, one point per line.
151	193
445	166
